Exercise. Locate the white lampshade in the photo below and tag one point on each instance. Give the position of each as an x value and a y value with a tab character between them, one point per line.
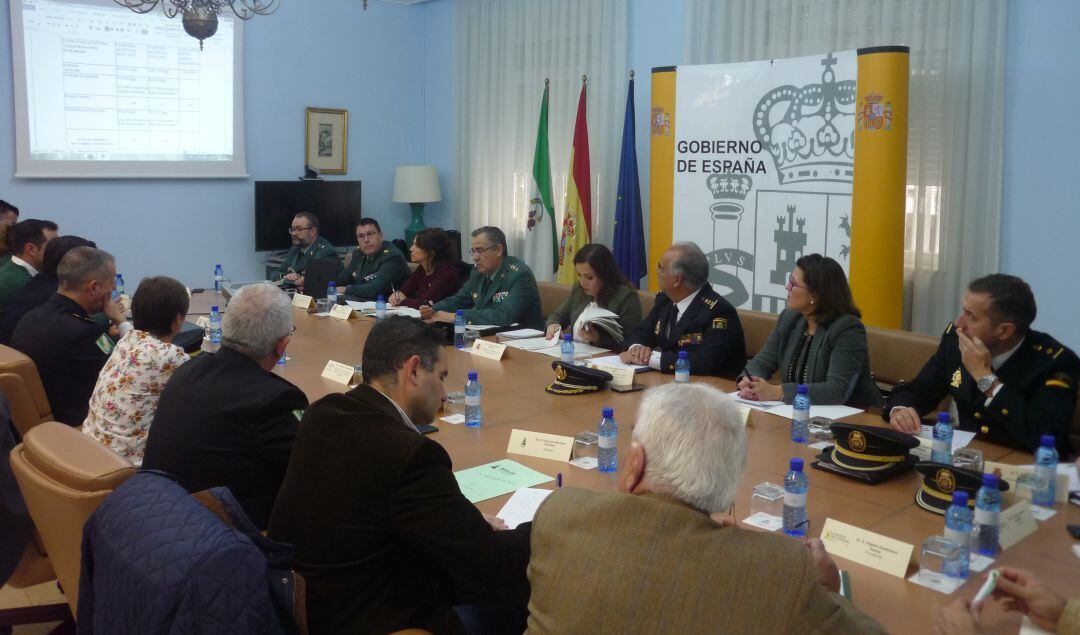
416	184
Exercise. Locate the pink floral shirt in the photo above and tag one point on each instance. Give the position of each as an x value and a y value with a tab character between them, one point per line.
126	396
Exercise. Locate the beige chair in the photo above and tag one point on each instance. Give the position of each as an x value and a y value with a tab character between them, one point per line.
64	475
756	326
19	380
897	356
552	295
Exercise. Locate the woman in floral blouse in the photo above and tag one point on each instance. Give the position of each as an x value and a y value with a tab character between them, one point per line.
125	398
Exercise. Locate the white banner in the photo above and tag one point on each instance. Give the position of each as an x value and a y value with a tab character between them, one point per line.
764	158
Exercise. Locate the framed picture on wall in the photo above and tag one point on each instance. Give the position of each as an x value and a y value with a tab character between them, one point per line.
326	141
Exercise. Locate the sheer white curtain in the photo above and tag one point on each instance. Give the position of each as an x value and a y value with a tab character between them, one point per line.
505	49
955	139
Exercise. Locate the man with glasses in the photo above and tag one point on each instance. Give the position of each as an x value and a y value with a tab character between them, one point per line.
225	419
689	315
378	268
307	245
501	289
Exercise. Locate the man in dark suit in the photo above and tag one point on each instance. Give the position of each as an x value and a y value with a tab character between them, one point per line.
67	346
383	535
26	242
1011	384
226	419
689	315
650	559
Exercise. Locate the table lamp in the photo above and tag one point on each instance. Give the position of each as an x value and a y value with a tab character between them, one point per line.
416	185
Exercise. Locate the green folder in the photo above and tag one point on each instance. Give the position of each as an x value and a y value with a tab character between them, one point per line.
495	479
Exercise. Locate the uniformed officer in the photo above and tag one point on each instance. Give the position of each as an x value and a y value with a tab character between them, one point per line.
501	289
1009	383
378	268
68	347
307	245
689	315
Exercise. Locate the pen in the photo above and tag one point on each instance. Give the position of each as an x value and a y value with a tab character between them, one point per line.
558	480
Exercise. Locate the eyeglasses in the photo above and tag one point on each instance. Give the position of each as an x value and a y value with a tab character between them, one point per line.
660	269
477	251
292	329
792	284
366	235
297	230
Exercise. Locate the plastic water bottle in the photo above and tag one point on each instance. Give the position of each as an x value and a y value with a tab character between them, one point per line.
119	284
474	416
219	275
331	292
567	348
682	369
380	308
459	329
607	452
795	486
958	522
800	415
941	451
987	512
215	325
1046	460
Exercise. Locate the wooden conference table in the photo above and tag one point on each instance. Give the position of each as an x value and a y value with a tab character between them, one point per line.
514	397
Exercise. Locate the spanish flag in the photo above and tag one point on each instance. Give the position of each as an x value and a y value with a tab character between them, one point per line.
577	223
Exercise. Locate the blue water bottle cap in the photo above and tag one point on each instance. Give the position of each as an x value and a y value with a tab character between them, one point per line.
216	266
567	337
213	308
331	283
960	499
460	313
943	417
796	464
1047	441
802	390
380	299
682	354
472	375
608	413
990	481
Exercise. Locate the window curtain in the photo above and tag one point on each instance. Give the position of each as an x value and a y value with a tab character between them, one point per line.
955	137
504	51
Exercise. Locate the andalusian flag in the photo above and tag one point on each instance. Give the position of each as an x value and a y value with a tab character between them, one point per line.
541	254
577	224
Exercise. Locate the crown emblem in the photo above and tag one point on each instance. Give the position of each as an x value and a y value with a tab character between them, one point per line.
810	131
560	373
728	190
945	481
857	441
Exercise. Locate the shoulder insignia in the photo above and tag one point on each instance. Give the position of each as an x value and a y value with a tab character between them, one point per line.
719	323
513	267
105	344
299	414
386	251
1060	380
709	303
474	294
656	329
956	379
948	329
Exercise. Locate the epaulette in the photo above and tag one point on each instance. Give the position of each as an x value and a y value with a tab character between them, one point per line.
949	328
709	303
513	267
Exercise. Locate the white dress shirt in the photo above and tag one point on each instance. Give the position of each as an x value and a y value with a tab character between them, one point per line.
25	265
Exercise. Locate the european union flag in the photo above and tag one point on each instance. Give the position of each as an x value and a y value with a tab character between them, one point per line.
629	247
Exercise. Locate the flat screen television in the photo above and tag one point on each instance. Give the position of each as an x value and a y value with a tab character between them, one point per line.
335	203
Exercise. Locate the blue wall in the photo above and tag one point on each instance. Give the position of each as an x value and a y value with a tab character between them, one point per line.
1040	226
369	62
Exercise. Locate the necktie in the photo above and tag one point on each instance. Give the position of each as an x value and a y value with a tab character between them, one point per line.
672	319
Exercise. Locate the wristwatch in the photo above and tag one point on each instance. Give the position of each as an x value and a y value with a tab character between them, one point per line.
986	383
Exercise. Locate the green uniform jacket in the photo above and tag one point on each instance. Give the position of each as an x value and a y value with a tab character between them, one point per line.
509	295
624	302
12	278
369	276
1038	396
297	259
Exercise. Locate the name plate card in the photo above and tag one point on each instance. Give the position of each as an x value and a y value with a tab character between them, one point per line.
302	301
341	312
338	372
490	350
1010	474
540	445
867	548
1015	524
619	376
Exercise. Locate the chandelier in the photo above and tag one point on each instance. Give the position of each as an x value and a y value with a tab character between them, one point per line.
200	17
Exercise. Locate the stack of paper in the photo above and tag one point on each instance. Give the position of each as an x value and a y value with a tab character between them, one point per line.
532	344
520	334
368	308
595	317
615	362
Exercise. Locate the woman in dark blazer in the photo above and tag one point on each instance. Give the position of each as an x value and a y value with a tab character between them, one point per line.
819	341
599	281
435	278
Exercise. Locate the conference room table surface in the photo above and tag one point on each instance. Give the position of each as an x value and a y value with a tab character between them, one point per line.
514	398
